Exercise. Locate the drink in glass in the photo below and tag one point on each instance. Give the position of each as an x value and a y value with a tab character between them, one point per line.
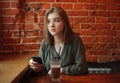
55	70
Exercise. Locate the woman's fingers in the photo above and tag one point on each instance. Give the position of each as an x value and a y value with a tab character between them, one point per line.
35	65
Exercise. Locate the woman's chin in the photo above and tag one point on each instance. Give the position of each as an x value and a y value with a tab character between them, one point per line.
53	34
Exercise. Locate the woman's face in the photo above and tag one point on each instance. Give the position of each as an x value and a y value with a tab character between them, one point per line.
55	24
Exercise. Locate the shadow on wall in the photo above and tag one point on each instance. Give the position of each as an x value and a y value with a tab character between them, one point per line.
12	31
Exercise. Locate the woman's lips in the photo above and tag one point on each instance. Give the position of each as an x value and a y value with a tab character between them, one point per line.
53	30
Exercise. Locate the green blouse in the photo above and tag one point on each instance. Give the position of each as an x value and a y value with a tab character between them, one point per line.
72	57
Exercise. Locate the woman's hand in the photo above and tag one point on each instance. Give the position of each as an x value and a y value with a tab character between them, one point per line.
35	66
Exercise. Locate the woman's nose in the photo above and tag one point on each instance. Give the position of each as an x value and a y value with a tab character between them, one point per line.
51	24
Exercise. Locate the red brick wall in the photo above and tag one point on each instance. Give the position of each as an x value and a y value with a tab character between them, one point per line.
97	22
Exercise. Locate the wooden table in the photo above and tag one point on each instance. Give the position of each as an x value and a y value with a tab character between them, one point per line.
12	67
89	78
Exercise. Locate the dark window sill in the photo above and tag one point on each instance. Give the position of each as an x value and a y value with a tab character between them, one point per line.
108	67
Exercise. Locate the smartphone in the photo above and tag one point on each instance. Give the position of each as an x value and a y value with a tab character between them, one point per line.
37	59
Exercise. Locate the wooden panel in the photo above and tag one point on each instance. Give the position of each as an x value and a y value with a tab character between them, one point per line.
12	67
89	78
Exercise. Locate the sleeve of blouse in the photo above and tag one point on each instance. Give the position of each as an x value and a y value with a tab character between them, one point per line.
80	65
42	51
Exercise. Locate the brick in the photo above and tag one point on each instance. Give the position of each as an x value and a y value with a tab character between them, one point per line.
14	4
41	20
119	20
32	33
56	4
11	40
6	26
36	19
35	46
104	39
101	45
87	32
21	26
33	5
85	26
118	33
19	18
86	1
113	7
90	6
88	45
20	47
106	1
67	1
71	19
39	0
76	31
101	26
41	13
105	58
70	13
102	13
78	6
80	13
29	40
29	19
83	20
116	53
100	32
111	33
45	6
113	20
9	12
41	33
4	4
115	14
77	26
29	27
112	45
91	58
117	57
41	26
16	34
115	26
68	6
101	7
116	39
7	48
7	34
29	14
32	46
32	40
101	52
7	20
101	20
15	27
87	39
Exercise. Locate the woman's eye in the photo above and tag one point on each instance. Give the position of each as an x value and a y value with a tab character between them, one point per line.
48	21
57	20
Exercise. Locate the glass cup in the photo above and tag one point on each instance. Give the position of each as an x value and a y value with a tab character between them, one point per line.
55	69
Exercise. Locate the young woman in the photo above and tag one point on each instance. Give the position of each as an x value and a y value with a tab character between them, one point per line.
60	42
